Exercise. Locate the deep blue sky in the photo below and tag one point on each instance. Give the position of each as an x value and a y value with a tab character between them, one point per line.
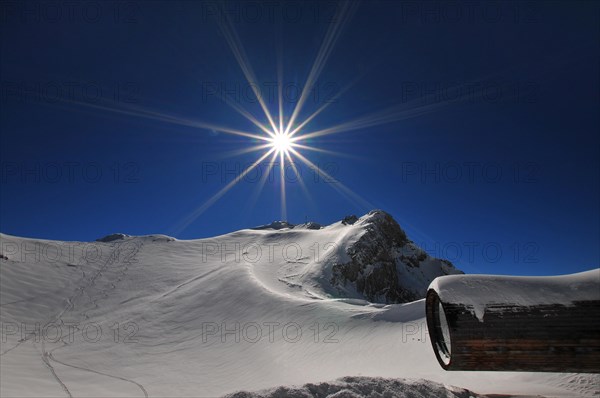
74	171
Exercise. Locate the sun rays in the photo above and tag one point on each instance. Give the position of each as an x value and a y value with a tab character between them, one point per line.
284	138
281	137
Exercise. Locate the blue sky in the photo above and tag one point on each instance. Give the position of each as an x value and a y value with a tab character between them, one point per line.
499	171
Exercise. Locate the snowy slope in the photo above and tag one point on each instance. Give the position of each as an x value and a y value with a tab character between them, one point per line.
368	258
249	310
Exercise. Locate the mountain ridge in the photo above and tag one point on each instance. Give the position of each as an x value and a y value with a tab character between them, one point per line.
244	311
368	258
386	266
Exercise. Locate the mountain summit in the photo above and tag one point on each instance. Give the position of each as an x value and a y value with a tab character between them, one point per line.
368	258
384	265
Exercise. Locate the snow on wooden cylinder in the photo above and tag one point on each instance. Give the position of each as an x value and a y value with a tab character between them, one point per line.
511	323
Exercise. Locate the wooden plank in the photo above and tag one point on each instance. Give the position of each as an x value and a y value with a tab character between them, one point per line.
541	338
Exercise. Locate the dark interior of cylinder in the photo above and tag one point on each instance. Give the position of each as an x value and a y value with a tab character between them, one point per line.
439	331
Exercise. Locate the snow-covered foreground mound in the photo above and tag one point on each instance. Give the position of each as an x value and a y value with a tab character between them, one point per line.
250	310
355	387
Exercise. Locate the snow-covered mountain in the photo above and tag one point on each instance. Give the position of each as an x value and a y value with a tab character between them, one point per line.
384	265
368	258
279	305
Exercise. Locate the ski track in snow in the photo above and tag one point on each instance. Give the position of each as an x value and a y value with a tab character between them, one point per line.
194	279
46	359
48	356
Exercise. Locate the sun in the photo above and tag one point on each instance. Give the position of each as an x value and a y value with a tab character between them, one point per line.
281	138
281	142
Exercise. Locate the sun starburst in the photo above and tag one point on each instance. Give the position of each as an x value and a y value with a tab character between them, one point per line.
282	138
281	142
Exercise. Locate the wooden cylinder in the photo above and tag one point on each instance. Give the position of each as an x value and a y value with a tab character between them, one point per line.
500	323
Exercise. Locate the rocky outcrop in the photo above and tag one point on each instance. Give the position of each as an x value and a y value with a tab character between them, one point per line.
112	238
310	225
349	220
385	266
276	225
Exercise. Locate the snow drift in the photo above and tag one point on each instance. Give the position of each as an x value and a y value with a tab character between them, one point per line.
355	387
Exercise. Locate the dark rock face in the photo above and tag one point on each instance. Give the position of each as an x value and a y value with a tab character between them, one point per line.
385	265
349	220
276	225
312	225
112	238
